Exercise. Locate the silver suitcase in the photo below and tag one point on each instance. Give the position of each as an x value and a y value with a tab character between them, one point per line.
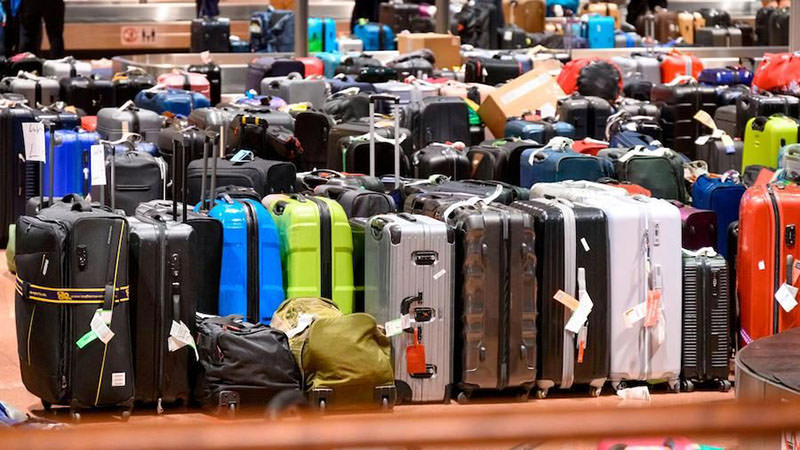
294	89
350	45
67	67
111	123
409	273
638	67
35	89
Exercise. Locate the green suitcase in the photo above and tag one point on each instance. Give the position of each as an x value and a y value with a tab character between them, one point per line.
764	137
316	247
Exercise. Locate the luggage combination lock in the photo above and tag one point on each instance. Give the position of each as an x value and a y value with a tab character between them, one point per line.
789	235
83	256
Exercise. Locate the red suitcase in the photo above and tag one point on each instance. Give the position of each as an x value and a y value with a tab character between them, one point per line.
313	66
767	259
188	81
676	64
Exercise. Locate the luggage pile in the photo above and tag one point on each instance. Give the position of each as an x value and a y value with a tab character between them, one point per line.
397	232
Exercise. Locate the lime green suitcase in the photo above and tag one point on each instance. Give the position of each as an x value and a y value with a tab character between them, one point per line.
764	137
316	247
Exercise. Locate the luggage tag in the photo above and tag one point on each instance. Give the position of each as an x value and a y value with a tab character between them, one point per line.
180	336
653	303
99	329
580	314
786	296
580	342
415	357
242	155
795	273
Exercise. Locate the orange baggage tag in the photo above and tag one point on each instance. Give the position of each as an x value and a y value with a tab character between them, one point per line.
653	308
415	357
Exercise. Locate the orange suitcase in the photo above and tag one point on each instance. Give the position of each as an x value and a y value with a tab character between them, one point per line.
767	258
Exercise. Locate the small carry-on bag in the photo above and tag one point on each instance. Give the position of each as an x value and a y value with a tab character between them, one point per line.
698	227
114	123
72	307
723	196
135	177
242	365
659	170
67	67
357	201
557	162
706	314
441	159
572	259
499	160
588	114
345	359
409	273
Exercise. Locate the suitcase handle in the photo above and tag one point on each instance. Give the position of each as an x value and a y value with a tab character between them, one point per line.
81	205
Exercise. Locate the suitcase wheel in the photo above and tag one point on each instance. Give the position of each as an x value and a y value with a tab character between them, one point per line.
619	385
75	416
463	397
596	390
322	405
724	385
47	405
126	415
674	386
687	386
541	394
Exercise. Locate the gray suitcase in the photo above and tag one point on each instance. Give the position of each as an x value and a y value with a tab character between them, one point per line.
725	118
294	89
111	123
67	67
409	270
35	89
638	67
718	37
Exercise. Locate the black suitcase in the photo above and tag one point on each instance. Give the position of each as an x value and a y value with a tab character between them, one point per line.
404	16
352	64
312	130
347	106
491	71
715	17
754	105
779	27
718	37
127	84
210	34
725	118
192	139
134	177
264	176
588	114
763	16
72	263
477	25
274	142
638	90
678	106
495	338
706	328
357	202
513	37
214	75
498	160
87	93
360	129
748	33
267	66
439	119
640	108
728	95
564	232
720	158
441	159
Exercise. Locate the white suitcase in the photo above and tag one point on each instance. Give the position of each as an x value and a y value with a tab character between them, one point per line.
36	89
67	67
350	45
409	270
637	353
638	67
294	89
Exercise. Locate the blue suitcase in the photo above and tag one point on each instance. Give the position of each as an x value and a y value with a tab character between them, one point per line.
630	139
251	280
342	82
726	77
599	31
330	61
375	36
549	165
70	162
272	31
259	30
571	5
539	131
175	101
322	35
722	197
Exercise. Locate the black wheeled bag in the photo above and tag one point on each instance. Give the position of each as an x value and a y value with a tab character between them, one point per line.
491	71
312	130
356	201
678	106
134	177
87	93
588	114
72	261
264	176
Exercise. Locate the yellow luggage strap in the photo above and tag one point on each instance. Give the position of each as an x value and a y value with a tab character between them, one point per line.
69	295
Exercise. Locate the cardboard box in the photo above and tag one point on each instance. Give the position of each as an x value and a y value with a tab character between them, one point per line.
445	47
530	91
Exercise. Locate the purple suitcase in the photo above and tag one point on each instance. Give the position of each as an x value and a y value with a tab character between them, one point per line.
699	227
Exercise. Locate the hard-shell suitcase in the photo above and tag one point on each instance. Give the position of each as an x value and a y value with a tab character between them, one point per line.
312	128
572	256
213	74
587	114
540	130
72	267
267	66
66	68
375	36
779	27
498	160
723	196
498	191
678	105
330	61
491	71
187	81
660	170
36	89
263	176
762	25
349	144
441	159
551	164
715	17
729	95
628	39
727	76
638	67
70	164
527	14
698	227
313	66
439	119
210	34
721	154
725	118
87	94
674	65
706	314
718	37
316	247
753	105
689	22
409	263
294	89
599	31
405	16
765	136
321	35
477	24
767	257
178	102
113	123
127	84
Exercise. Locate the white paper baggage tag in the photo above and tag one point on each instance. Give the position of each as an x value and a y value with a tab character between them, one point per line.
303	321
98	165
635	393
634	314
786	296
99	325
33	137
180	336
585	305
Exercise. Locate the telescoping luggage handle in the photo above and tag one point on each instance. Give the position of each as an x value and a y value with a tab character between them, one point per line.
395	101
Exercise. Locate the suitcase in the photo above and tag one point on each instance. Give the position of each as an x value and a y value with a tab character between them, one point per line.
689	22
627	39
267	66
113	123
666	26
127	84
497	191
263	176
638	90
477	25
375	36
540	131
723	196
587	114
638	67
572	256
725	118
376	74
321	35
526	14
409	263
352	64
779	27
349	45
36	90
766	260
551	164
439	119
210	34
763	16
729	95
748	33
357	202
441	159
88	94
698	227
678	106
659	170
67	67
726	76
674	65
600	31
58	304
498	160
405	16
312	66
715	17
187	81
634	122
491	71
630	139
25	62
70	163
754	105
312	130
213	74
294	89
496	298
718	37
765	136
174	101
133	177
330	61
316	247
637	352
419	64
721	154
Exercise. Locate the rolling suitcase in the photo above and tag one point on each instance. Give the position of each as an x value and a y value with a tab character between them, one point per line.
599	31
498	160
753	105
312	128
718	37
723	196
134	177
267	66
715	17
725	118
721	153
726	77
321	35
375	36
551	164
762	25
441	159
67	67
357	202
498	191
765	136
213	74
678	105
60	300
638	67
572	256
538	130
698	227
87	94
659	170
187	81
70	163
294	89
37	90
113	123
210	34
779	27
676	64
263	176
439	119
588	114
706	328
127	84
409	263
176	102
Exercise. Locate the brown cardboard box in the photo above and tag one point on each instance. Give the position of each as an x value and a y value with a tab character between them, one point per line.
445	47
530	91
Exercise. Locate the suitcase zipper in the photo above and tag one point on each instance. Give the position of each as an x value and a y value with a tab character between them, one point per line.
160	312
253	282
702	314
505	305
570	255
325	244
777	269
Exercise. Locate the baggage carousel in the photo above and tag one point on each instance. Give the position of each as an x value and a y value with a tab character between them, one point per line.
769	368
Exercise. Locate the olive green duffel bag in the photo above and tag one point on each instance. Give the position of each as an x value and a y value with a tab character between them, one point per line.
345	360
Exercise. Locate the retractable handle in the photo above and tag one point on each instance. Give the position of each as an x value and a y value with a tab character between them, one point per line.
395	101
51	154
209	148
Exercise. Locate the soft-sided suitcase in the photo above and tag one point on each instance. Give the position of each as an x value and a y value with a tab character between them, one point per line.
263	176
477	24
357	201
698	227
587	114
726	77
498	160
133	177
86	93
539	130
659	170
572	256
765	136
753	105
706	327
210	34
72	267
316	247
678	105
409	263
441	159
312	128
375	36
113	123
406	16
551	164
267	66
767	260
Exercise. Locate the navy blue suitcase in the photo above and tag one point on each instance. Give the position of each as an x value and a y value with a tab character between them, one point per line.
630	139
549	165
540	131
